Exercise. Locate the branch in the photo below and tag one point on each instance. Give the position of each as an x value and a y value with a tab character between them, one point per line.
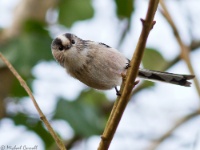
25	10
125	30
27	89
129	81
177	125
184	49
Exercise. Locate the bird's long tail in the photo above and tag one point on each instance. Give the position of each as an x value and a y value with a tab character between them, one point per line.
178	79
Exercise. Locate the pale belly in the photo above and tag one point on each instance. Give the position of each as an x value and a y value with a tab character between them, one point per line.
99	75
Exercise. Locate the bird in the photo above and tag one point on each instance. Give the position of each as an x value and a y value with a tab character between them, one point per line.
100	66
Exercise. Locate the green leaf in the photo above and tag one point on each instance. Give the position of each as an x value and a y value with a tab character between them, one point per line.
71	11
152	59
124	8
32	46
89	95
17	90
148	84
83	114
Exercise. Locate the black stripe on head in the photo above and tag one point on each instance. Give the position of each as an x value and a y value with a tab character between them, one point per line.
56	42
69	36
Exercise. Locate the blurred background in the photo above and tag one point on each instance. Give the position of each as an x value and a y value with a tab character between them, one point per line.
159	116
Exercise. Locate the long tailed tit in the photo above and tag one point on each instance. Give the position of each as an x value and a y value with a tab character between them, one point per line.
100	66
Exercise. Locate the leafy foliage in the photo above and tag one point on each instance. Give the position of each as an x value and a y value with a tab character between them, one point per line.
32	46
152	59
84	114
17	90
124	8
71	11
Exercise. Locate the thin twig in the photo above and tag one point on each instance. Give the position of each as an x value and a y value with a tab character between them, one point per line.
27	89
125	30
185	56
129	82
184	49
169	133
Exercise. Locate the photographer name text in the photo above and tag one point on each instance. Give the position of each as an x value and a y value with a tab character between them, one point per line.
18	147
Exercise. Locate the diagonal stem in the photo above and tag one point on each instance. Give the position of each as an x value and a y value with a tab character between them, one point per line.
129	81
185	51
27	89
176	126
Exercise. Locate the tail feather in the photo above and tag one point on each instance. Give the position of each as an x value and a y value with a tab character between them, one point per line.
178	79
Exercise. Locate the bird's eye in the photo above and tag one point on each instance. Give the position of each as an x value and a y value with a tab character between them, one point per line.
60	48
73	42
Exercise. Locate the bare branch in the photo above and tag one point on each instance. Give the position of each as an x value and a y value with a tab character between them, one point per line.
185	56
184	49
169	133
27	89
129	81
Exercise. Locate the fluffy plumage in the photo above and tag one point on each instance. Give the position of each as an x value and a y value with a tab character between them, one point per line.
99	65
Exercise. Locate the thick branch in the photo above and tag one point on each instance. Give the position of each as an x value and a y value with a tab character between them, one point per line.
42	116
129	83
